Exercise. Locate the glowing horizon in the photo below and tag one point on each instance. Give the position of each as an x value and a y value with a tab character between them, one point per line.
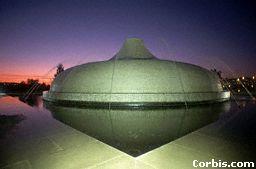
38	35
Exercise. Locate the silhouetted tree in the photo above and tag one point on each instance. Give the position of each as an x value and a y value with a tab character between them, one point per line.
22	82
31	82
22	86
217	72
60	68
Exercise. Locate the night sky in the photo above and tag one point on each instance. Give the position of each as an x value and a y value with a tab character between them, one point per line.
37	35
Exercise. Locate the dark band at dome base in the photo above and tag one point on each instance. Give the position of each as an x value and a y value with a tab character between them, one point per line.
178	100
130	105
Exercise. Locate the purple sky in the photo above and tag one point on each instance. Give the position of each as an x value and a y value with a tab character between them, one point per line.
37	35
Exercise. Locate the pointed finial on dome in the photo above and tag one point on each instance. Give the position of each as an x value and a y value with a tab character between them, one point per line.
133	48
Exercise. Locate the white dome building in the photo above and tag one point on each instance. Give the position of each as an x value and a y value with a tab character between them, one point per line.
135	77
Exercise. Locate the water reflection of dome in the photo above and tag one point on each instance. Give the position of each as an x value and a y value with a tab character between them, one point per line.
134	76
137	131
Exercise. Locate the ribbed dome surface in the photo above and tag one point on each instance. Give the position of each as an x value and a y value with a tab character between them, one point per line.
134	75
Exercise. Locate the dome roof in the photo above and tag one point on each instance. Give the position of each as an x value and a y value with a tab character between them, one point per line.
134	77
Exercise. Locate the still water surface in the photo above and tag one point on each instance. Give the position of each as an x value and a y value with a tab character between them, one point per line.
133	131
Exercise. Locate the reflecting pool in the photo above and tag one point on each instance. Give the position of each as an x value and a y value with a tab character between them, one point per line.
34	134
